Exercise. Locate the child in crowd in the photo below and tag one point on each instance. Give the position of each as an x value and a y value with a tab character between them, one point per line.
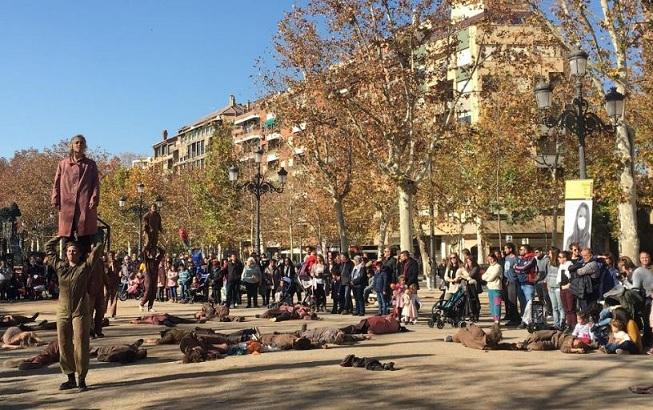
409	301
583	329
620	342
335	291
195	283
184	277
172	276
397	295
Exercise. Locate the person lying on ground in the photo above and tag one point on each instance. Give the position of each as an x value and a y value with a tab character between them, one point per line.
41	325
162	319
16	320
14	338
287	341
375	325
553	340
174	336
48	356
198	349
474	337
47	325
210	311
120	353
331	335
289	312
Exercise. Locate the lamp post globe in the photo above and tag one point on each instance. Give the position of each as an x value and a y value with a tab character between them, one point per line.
614	104
578	62
283	176
543	95
233	173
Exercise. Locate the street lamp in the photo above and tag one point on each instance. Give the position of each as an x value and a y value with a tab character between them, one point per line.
122	203
258	187
576	117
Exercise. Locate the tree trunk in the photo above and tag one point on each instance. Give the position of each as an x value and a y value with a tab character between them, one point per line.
628	239
342	226
383	231
554	229
406	192
479	241
423	253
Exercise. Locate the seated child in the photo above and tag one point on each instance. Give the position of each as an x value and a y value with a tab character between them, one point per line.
620	342
583	329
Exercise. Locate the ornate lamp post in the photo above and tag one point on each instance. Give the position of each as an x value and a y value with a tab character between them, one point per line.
122	202
258	187
577	117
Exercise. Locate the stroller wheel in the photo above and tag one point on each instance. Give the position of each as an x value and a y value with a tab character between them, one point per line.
440	324
431	323
462	324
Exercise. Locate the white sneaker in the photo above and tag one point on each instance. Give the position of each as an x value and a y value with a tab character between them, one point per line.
151	310
142	308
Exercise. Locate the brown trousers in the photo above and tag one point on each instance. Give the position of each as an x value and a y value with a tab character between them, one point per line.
111	299
149	287
98	307
73	336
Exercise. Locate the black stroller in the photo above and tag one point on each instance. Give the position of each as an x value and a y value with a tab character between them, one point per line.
454	311
538	315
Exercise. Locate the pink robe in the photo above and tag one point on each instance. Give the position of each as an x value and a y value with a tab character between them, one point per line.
76	187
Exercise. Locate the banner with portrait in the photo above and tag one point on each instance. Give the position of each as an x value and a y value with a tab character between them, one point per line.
578	213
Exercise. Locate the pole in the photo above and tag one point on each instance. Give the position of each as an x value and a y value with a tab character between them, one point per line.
580	129
258	210
140	224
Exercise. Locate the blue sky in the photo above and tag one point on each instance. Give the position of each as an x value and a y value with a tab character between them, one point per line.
121	71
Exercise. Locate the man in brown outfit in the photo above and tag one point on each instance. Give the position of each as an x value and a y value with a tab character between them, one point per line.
76	195
96	284
553	340
152	227
152	256
112	270
73	313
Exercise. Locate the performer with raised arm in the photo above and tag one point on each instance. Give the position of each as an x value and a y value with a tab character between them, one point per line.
73	312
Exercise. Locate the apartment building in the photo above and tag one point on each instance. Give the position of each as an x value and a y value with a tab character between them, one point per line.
188	148
470	76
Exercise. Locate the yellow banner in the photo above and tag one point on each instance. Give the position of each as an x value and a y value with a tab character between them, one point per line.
579	189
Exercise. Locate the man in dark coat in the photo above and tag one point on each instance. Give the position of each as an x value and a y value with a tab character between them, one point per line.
76	195
409	268
346	269
234	271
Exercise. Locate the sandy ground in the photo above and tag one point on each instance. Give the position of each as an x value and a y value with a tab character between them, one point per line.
433	374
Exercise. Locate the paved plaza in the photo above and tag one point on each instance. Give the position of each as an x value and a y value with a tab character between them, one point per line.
432	373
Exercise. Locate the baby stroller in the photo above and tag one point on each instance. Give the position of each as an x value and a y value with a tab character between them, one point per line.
308	285
450	311
201	293
287	290
538	315
126	291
